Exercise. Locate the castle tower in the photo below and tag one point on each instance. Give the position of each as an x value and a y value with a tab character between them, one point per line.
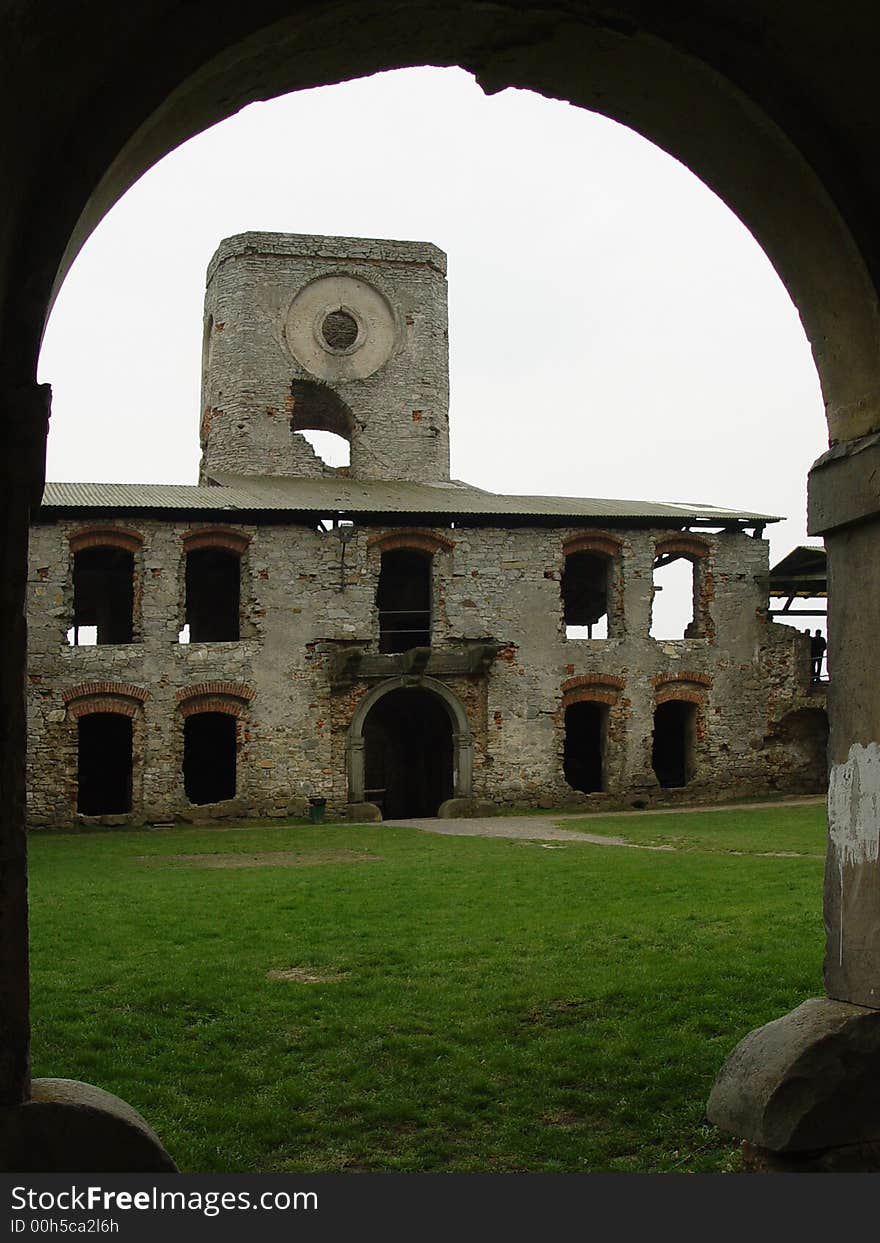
325	333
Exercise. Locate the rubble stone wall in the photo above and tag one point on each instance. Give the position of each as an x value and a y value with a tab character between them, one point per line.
307	598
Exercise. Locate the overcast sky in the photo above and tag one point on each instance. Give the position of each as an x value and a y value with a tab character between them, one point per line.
614	329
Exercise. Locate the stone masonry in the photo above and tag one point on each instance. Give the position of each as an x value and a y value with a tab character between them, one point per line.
350	336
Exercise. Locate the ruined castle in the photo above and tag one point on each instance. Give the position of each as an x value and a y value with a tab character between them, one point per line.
381	636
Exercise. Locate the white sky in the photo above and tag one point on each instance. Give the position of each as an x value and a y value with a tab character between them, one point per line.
614	329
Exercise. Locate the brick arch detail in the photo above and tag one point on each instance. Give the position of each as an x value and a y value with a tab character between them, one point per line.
200	704
226	538
689	687
589	694
592	688
603	545
229	697
105	537
690	546
88	698
416	538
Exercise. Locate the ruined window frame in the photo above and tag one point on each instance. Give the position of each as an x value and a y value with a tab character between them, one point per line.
697	552
93	538
419	540
110	699
234	543
610	549
689	687
215	698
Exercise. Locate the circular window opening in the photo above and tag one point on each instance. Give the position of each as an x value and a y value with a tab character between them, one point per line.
340	330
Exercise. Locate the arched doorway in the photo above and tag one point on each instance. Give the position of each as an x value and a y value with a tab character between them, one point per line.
408	760
393	733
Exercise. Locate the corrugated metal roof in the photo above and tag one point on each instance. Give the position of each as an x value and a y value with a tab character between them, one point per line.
138	496
339	494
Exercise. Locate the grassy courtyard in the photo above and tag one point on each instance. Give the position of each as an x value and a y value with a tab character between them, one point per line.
332	998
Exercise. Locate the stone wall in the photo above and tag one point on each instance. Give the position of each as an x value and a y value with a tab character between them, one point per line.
269	370
498	590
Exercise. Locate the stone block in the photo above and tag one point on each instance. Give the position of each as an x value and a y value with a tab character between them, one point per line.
68	1125
363	813
805	1082
466	808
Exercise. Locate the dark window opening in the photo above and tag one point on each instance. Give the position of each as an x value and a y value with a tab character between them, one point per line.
213	595
585	591
586	728
209	757
103	596
674	746
403	599
104	764
675	604
408	757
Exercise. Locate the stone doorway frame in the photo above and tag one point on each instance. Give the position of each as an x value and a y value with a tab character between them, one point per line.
462	738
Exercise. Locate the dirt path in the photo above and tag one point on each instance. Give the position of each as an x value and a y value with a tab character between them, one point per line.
548	828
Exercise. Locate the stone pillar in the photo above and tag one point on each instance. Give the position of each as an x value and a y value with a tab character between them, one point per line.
845	508
25	418
804	1090
356	769
51	1125
463	750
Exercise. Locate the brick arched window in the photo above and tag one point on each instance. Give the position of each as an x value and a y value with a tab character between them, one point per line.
405	586
678	726
212	584
104	585
588	702
104	713
590	586
211	711
681	570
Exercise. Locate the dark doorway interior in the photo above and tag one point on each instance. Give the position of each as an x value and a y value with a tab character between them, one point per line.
104	764
675	732
103	594
585	734
213	595
209	755
403	599
408	754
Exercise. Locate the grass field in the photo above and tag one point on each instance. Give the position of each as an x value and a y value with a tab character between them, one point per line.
331	998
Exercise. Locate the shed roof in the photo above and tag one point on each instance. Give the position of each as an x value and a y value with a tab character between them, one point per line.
339	495
802	572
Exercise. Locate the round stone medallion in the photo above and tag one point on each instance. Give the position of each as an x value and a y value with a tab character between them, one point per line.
340	328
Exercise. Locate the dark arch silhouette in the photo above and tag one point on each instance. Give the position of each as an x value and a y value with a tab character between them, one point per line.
750	101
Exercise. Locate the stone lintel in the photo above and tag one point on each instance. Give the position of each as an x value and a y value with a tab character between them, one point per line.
350	664
844	485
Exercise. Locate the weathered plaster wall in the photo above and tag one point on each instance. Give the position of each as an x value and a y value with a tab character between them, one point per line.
267	298
301	607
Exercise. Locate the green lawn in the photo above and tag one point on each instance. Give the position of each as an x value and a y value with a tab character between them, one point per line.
490	1005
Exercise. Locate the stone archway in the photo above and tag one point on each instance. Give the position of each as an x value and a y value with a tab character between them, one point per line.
751	102
461	738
